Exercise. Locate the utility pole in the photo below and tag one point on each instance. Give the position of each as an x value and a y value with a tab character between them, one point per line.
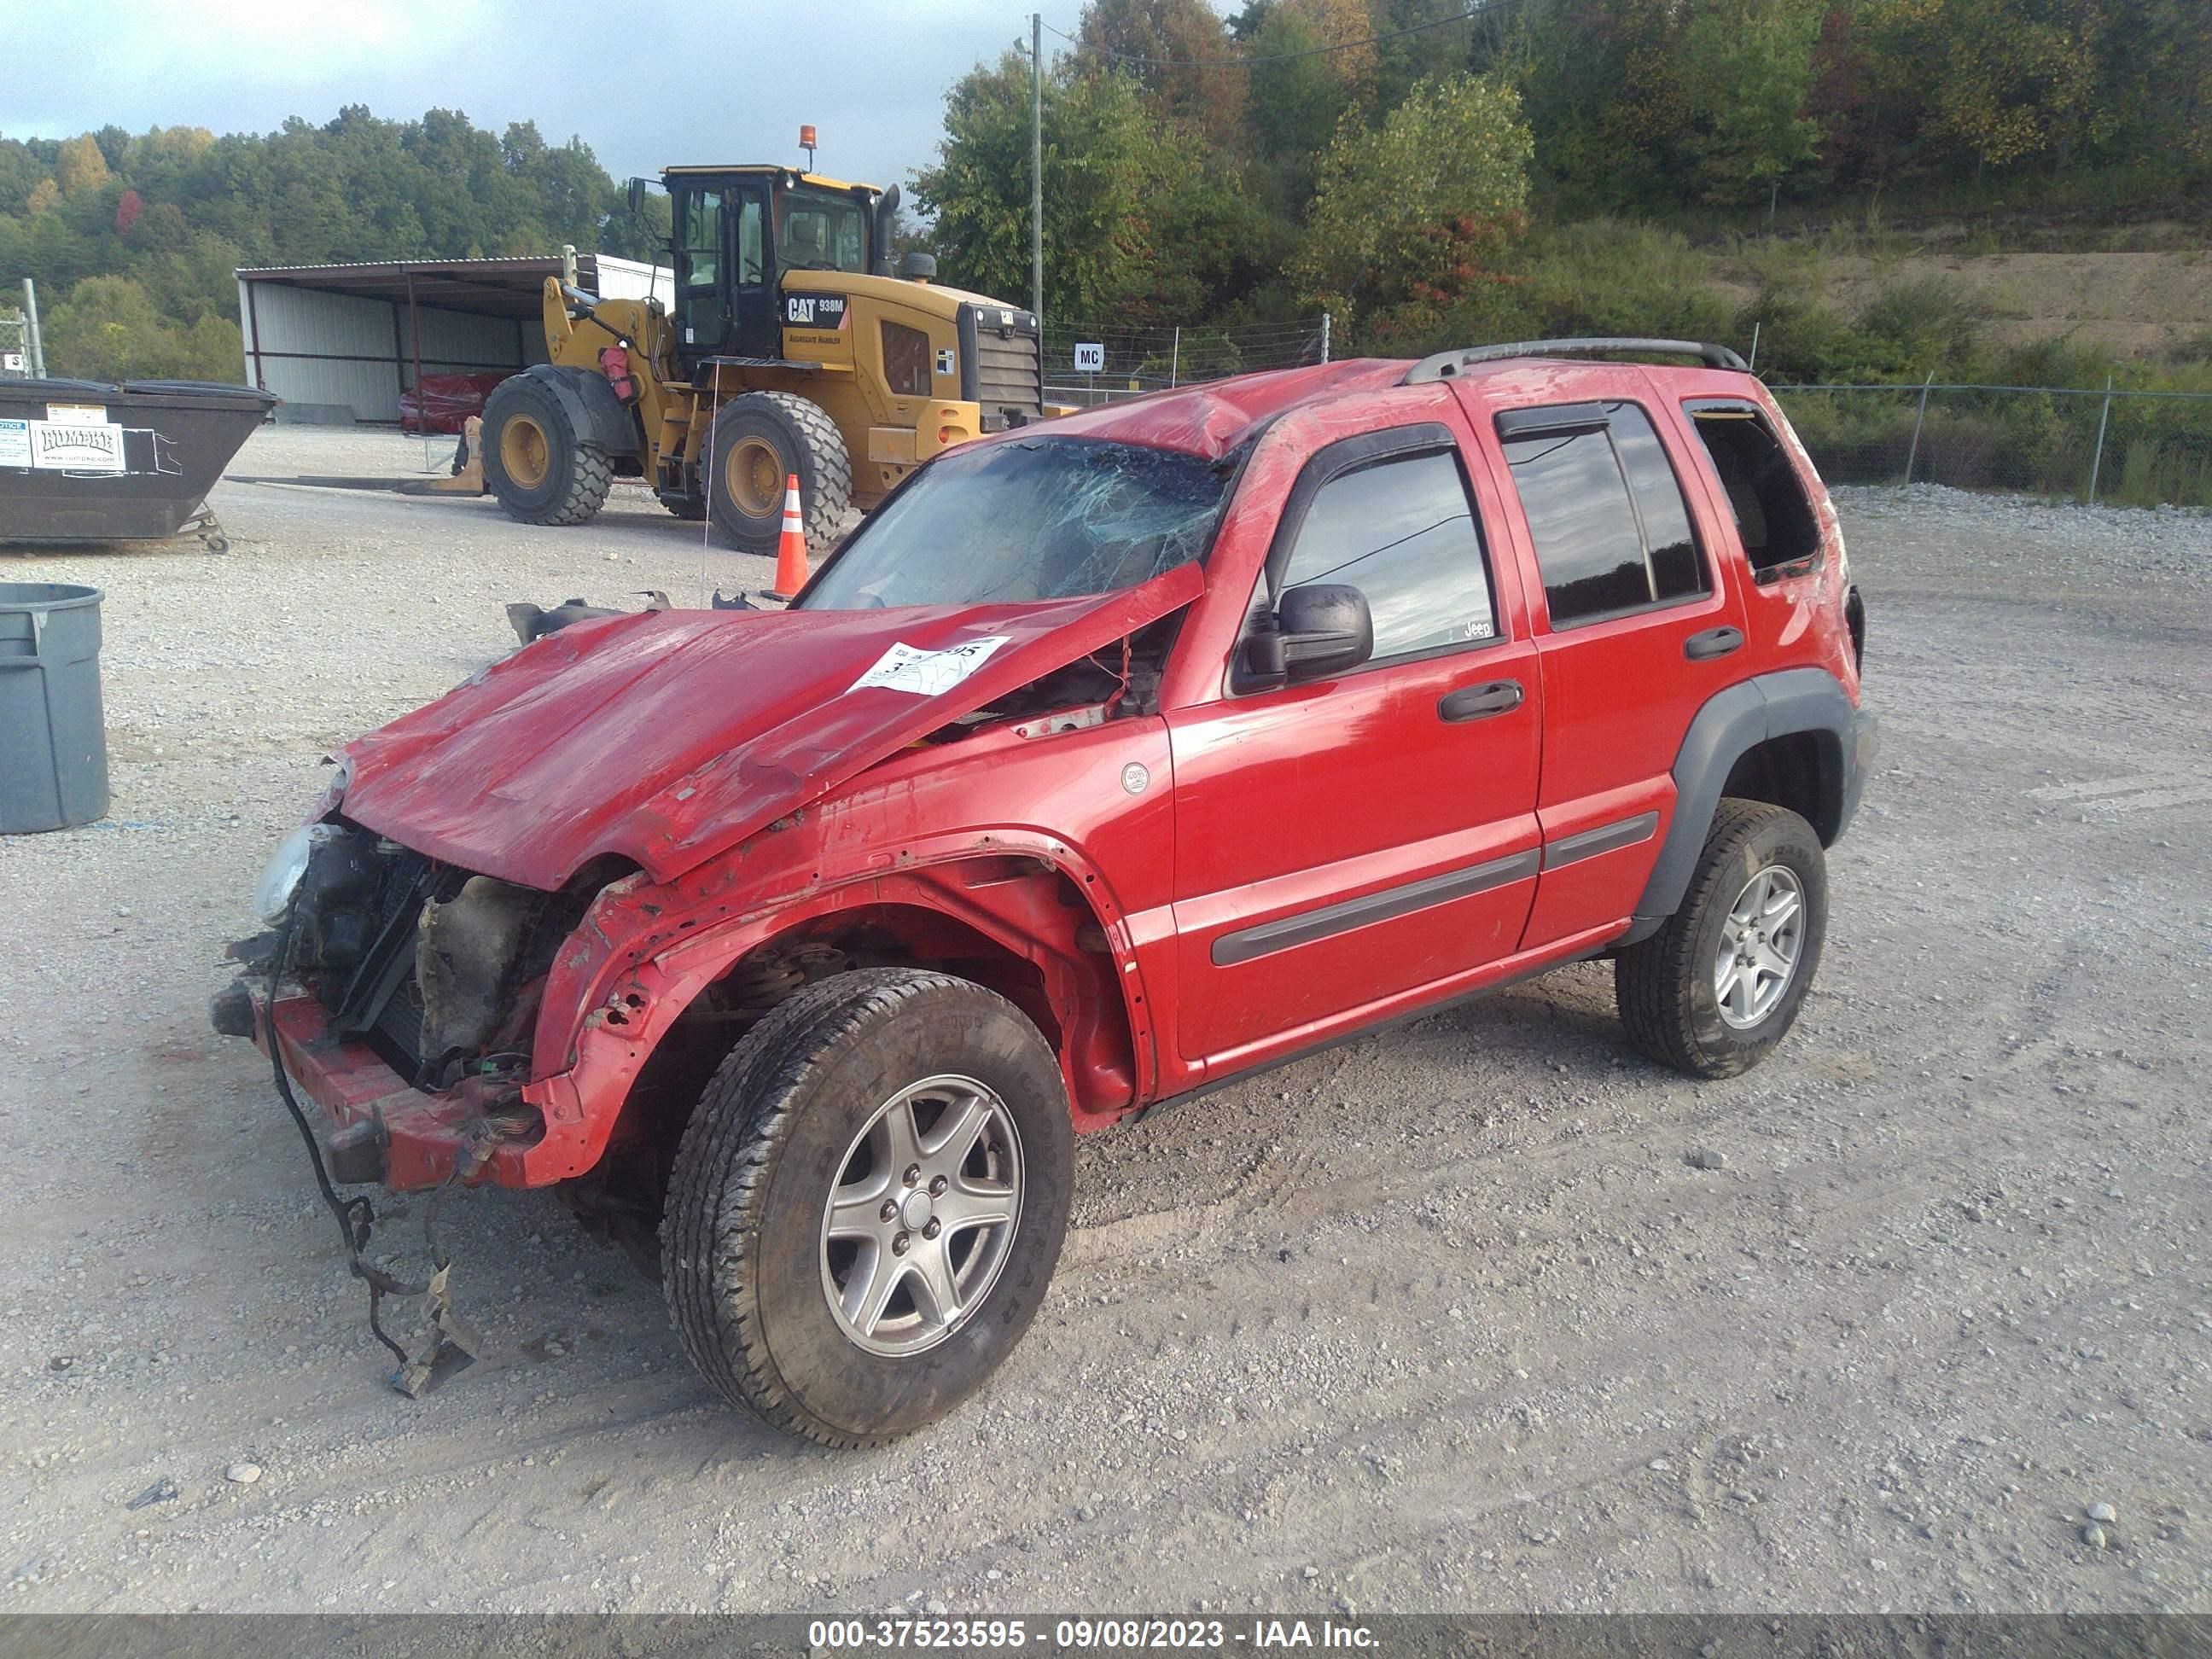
1036	172
38	340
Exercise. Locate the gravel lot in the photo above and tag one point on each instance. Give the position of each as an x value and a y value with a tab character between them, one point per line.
1449	1319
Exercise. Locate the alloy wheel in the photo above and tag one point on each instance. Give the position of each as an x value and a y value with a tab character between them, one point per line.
923	1215
1761	942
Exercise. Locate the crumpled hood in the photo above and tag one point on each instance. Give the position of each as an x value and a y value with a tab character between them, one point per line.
668	737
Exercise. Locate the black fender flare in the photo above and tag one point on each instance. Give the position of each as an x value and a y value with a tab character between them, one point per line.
596	416
1731	724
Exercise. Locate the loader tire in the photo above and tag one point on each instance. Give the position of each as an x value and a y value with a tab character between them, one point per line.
533	461
758	442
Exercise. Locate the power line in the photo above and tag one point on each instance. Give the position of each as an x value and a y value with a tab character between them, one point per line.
1468	15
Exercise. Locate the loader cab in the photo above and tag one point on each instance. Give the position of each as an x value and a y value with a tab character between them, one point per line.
736	230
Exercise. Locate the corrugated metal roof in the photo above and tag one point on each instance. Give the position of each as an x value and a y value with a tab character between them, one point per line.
490	288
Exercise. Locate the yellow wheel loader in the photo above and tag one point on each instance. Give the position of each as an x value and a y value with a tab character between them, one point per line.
790	347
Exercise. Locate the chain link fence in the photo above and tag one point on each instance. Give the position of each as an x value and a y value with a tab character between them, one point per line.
16	352
2124	448
2105	444
1131	362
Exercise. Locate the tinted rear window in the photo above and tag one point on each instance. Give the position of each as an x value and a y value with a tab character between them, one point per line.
1606	512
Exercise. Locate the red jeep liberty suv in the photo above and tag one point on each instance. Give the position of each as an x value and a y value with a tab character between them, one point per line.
1111	758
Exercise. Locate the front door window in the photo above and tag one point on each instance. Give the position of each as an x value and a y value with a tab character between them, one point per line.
701	302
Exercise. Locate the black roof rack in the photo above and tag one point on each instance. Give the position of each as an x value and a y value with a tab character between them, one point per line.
1446	364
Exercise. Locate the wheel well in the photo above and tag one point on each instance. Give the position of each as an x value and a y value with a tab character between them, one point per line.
1802	771
1075	986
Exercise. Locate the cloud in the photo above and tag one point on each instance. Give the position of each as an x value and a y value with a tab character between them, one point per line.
683	83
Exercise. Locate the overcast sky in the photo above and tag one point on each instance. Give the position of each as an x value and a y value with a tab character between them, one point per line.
684	81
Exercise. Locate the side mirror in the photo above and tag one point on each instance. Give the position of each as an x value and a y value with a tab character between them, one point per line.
919	267
1320	629
637	196
887	207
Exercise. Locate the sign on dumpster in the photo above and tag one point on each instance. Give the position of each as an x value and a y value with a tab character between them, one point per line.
76	447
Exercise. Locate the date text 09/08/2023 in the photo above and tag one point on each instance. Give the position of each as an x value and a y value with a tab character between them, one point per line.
970	1635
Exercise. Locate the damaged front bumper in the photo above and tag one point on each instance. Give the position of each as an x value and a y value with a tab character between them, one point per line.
379	1129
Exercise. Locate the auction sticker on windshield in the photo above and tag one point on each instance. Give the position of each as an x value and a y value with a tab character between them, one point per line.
928	674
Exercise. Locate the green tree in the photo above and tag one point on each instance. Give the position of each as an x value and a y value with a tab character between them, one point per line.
110	329
81	169
176	209
1216	248
2001	80
1747	72
1106	161
1186	74
1297	98
1411	214
1445	42
198	279
21	173
1598	79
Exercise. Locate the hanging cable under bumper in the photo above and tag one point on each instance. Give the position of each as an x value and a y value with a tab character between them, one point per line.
490	1112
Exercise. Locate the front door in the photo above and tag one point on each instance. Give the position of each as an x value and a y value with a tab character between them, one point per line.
725	302
1348	843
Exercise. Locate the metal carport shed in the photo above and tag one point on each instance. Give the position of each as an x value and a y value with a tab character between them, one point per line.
341	343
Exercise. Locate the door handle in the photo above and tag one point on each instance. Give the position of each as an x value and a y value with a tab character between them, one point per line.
1713	643
1477	703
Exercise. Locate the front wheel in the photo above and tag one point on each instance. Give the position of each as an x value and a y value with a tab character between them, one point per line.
535	462
1721	982
758	443
867	1205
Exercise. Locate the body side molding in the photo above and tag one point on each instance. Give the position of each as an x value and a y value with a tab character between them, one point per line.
1286	932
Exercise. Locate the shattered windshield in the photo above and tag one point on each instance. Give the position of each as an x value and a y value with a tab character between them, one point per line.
1041	518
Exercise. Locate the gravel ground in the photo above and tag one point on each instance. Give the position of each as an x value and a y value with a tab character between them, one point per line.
1482	1314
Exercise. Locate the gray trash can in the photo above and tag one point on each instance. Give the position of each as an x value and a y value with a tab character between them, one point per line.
53	743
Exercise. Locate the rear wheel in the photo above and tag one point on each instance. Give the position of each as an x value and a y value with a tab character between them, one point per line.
1720	984
533	461
759	441
868	1204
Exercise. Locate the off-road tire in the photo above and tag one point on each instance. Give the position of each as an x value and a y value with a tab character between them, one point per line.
1664	984
806	441
740	1239
577	474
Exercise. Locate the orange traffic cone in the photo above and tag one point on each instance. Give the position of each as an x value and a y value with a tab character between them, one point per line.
791	548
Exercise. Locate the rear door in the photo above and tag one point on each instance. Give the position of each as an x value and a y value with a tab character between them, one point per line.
1344	843
1635	631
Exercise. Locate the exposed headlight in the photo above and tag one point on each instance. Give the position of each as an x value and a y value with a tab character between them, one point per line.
280	878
